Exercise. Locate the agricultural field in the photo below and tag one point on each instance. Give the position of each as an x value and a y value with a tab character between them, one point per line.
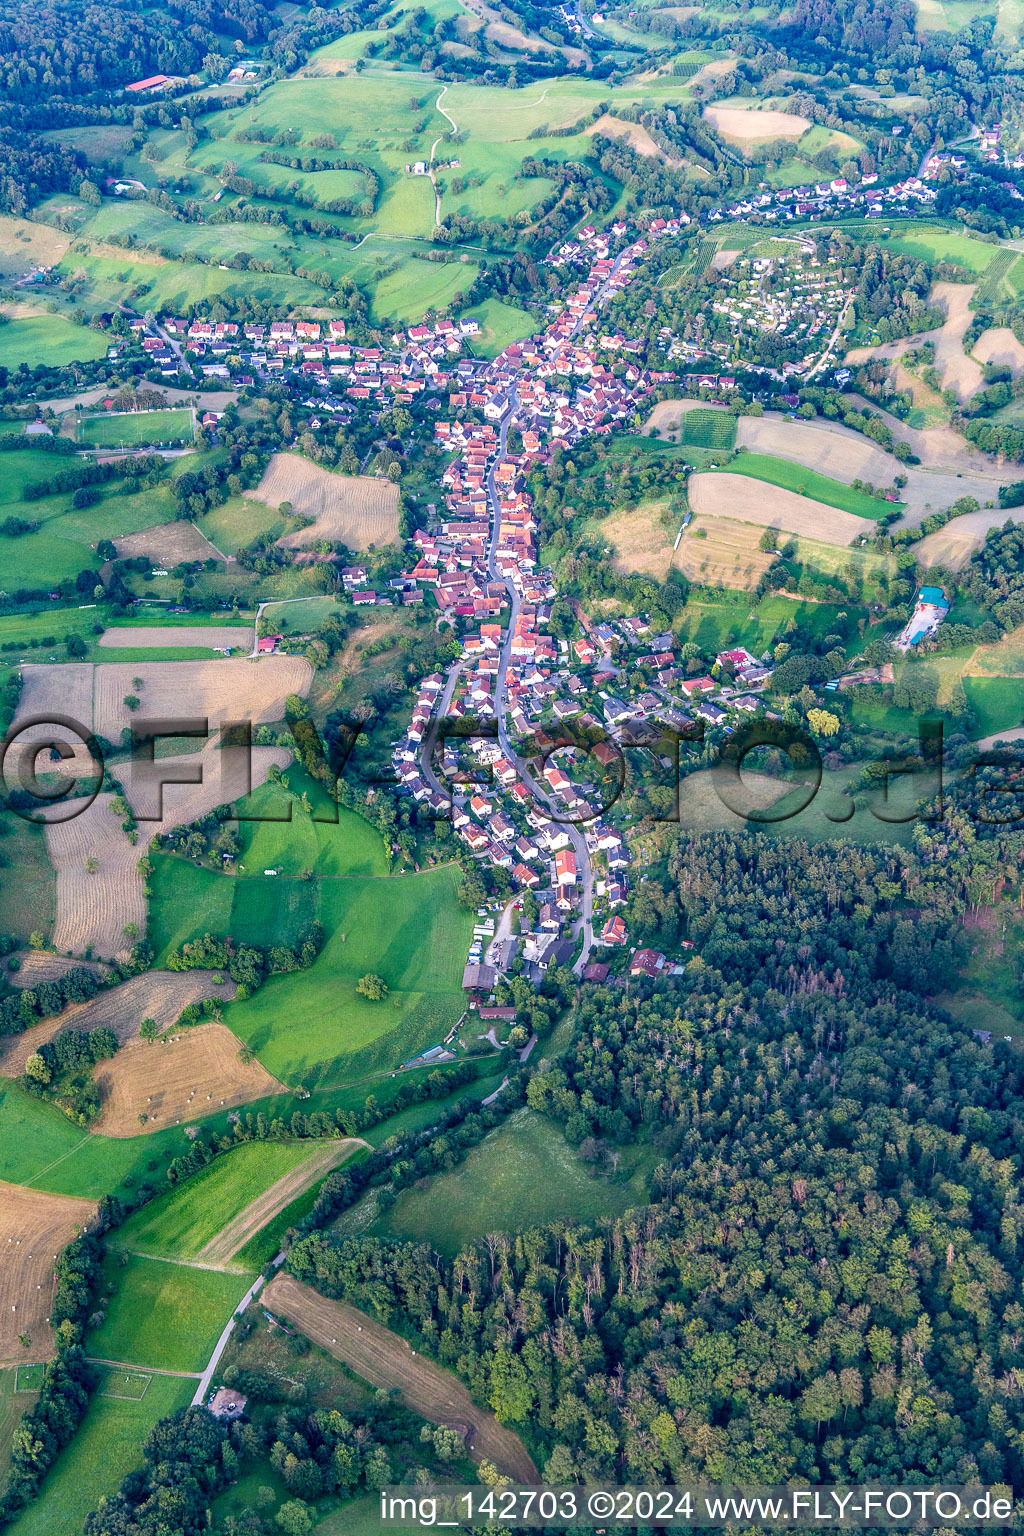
792	477
357	510
752	123
183	1223
105	1449
48	339
34	1227
163	1315
385	1360
148	1085
18	1393
692	424
168	545
158	995
722	550
523	1174
134	429
748	498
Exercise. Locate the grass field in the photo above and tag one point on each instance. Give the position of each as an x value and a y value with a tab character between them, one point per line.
50	340
998	702
106	1448
179	1223
134	428
14	1401
500	325
164	1315
807	482
524	1174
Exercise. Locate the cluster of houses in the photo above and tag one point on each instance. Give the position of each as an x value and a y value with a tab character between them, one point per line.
478	558
801	302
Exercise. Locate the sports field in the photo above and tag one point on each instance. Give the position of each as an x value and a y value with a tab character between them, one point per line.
105	1449
136	428
163	1314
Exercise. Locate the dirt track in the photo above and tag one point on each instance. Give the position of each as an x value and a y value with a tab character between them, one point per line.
222	1248
384	1360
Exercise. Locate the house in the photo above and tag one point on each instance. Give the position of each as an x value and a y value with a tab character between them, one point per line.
478	978
227	1404
268	645
596	971
614	931
647	962
565	867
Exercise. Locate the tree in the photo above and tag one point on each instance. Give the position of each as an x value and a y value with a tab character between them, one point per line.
149	1029
372	986
767	540
92	864
822	722
36	1068
131	701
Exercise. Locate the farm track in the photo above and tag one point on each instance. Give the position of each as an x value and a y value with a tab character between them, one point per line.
222	1248
385	1360
147	1370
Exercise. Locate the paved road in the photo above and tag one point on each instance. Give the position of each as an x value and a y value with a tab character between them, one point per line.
207	1376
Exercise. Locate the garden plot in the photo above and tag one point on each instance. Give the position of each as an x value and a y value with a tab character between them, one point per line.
178	1079
34	1227
743	499
157	995
357	510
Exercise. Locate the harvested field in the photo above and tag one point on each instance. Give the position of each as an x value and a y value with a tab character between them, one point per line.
93	906
215	776
222	1248
737	123
728	554
213	636
24	245
999	345
384	1360
740	498
633	134
829	449
168	544
640	539
178	1079
159	995
957	371
34	1227
37	967
221	691
953	545
356	510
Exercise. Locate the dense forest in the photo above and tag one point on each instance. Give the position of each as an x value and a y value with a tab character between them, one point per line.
827	1284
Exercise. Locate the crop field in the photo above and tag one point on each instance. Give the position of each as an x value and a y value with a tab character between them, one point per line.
523	1174
722	550
1000	346
756	123
182	1222
34	1227
384	1360
104	1450
233	689
96	900
233	1238
213	636
48	339
173	1081
357	510
162	1314
25	244
825	447
808	482
36	966
158	995
748	499
134	428
168	544
952	546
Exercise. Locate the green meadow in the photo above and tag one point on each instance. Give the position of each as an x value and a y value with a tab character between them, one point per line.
163	1314
136	428
14	1401
523	1174
50	340
807	482
180	1222
105	1449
